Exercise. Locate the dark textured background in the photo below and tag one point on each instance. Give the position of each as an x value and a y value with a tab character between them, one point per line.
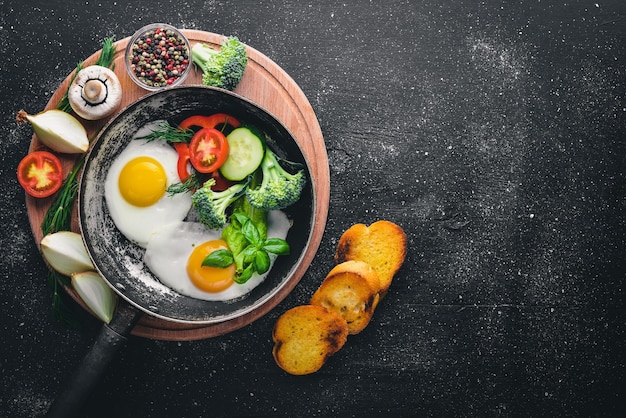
494	132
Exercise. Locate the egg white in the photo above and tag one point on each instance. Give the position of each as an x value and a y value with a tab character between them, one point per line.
169	248
138	223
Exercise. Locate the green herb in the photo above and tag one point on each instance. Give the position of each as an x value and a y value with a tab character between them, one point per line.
166	132
253	256
107	55
106	58
219	258
61	309
59	215
59	218
192	183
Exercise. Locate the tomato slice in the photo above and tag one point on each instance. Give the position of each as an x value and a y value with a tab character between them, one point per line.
183	160
208	150
212	121
40	173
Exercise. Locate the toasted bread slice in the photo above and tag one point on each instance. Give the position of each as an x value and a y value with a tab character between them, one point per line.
351	290
305	337
383	245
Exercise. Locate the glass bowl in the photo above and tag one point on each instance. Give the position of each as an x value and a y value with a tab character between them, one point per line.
158	56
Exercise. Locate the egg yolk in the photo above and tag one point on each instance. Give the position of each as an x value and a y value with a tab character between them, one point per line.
209	279
142	181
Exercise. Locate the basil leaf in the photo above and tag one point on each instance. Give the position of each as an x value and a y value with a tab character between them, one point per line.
240	218
218	258
249	252
251	232
276	246
244	276
261	262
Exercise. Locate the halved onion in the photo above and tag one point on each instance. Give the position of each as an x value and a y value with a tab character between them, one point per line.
96	294
65	252
58	130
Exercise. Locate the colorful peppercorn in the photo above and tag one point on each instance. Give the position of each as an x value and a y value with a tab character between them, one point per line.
159	57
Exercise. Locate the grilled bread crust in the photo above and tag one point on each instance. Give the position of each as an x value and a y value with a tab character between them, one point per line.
305	337
382	244
351	289
367	258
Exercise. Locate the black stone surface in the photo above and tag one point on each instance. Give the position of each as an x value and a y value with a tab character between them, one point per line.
493	132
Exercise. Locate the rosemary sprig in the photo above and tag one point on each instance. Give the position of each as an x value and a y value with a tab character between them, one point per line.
106	58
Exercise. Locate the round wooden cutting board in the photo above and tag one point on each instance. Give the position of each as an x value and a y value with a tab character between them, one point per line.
267	85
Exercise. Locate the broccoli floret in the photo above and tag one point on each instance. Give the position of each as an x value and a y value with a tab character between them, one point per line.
224	67
211	206
278	188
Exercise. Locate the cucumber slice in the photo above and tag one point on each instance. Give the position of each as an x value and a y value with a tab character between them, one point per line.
245	154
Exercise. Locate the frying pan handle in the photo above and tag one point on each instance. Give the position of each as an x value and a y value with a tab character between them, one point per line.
111	338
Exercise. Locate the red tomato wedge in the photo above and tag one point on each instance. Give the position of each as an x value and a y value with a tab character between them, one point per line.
212	121
40	173
183	160
208	150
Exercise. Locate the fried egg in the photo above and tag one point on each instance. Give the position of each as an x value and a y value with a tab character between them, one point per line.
175	252
135	188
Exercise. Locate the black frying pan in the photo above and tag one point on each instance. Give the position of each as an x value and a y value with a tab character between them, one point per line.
120	262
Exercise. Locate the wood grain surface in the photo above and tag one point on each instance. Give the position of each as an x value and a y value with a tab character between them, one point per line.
267	85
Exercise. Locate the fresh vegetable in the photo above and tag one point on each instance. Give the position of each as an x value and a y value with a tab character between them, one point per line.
59	218
222	68
208	150
180	138
95	93
65	252
163	131
211	205
232	232
278	188
251	251
213	121
245	156
182	167
59	215
58	130
105	59
40	173
96	294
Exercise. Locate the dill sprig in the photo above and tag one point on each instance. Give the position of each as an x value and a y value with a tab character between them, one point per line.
168	133
192	183
106	58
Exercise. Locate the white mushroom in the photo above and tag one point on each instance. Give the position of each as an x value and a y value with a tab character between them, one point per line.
95	92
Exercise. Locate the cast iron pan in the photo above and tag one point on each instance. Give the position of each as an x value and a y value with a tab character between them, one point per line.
119	261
